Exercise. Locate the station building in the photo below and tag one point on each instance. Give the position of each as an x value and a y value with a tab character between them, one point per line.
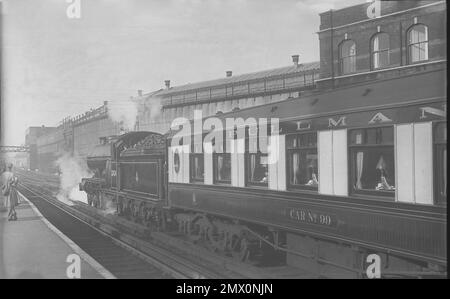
158	109
381	40
50	146
90	127
78	135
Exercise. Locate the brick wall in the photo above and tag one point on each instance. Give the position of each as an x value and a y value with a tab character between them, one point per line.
396	26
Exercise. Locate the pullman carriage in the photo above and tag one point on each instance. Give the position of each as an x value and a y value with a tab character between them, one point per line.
303	182
334	185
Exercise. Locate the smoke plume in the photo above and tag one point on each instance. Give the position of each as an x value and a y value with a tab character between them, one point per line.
124	112
155	107
73	169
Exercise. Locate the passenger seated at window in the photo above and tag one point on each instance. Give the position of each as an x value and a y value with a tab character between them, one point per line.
372	155
258	168
265	178
302	161
313	182
383	184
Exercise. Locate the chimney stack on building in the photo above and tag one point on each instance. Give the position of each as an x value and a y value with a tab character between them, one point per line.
140	92
167	82
229	73
295	60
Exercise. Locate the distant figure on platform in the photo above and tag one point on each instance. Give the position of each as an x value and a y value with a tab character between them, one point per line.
8	188
3	203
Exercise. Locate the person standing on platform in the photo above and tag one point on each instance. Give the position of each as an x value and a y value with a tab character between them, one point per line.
3	203
6	180
13	198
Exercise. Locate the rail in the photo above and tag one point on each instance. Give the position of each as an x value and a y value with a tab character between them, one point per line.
174	265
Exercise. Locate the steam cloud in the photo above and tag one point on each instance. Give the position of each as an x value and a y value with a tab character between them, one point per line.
123	112
155	107
73	169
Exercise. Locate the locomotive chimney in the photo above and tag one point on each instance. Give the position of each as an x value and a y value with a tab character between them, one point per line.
295	60
140	92
229	73
167	82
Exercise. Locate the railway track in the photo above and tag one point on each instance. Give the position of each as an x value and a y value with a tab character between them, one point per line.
119	258
194	261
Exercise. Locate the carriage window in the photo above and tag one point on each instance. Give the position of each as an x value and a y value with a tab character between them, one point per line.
257	166
302	161
380	50
440	145
418	43
221	162
372	160
197	163
258	171
197	168
222	168
347	57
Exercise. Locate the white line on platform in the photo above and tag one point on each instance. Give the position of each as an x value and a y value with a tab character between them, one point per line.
86	257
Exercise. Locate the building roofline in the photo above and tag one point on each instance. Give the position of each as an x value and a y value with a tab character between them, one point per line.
377	18
246	77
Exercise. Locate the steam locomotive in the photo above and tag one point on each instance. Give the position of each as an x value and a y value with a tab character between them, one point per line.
347	183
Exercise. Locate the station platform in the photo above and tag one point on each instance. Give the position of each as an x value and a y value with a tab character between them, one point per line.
32	248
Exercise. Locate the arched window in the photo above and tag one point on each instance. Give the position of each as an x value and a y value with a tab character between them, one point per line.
418	43
380	50
347	57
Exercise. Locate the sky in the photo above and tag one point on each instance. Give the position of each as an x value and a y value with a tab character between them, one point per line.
54	66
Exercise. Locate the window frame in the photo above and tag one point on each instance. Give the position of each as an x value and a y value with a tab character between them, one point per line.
300	149
409	45
378	52
193	178
215	169
344	58
215	156
247	154
193	154
248	182
438	147
353	149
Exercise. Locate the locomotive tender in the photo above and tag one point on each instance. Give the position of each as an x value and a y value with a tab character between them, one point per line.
360	170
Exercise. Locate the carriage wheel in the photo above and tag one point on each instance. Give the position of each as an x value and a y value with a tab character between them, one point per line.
241	250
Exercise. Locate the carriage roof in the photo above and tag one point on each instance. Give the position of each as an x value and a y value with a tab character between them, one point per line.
404	90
